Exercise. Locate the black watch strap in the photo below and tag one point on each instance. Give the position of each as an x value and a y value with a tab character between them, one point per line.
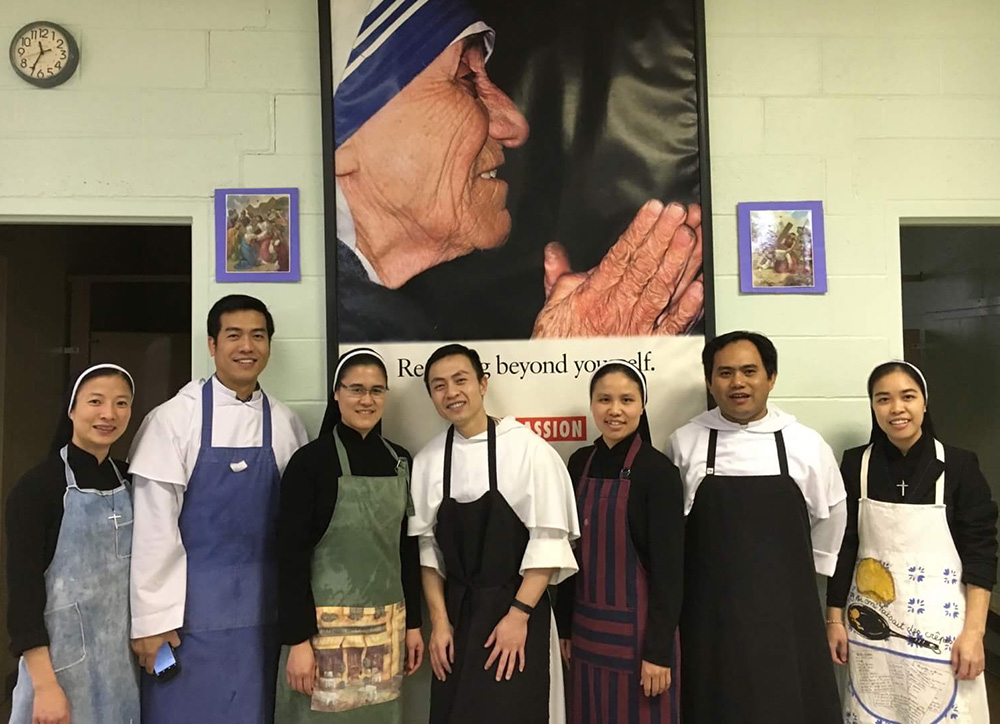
521	606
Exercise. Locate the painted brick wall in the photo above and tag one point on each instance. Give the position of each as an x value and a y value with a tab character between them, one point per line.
886	110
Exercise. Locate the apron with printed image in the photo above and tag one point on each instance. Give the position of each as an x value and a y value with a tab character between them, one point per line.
87	610
360	646
904	612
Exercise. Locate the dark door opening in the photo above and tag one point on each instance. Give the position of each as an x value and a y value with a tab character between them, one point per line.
951	330
72	295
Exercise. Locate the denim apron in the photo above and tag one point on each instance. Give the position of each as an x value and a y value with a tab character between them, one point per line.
87	609
229	643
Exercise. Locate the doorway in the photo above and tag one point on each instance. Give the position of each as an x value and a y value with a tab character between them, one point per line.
75	295
951	330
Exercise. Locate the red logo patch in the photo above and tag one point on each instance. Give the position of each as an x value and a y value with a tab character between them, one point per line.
557	429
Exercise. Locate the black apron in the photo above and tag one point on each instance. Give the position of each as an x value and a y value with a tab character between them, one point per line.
754	647
482	543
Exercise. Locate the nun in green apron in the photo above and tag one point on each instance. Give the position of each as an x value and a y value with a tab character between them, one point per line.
349	576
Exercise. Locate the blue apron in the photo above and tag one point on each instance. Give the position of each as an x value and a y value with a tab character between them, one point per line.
229	643
87	610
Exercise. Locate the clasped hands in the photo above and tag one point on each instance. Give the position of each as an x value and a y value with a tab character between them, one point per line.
649	283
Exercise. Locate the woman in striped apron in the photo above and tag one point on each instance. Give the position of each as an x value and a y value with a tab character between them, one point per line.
618	616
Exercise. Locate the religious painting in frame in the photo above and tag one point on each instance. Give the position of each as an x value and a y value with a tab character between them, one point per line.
257	235
530	179
782	247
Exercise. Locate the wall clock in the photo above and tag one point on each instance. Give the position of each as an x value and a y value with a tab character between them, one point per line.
44	54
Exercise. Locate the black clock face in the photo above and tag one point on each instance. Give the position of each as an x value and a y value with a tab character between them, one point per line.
44	54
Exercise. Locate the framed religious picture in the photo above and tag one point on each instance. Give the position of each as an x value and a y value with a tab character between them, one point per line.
782	247
257	235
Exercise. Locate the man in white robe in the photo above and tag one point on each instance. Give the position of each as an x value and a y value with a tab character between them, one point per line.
169	458
765	506
533	490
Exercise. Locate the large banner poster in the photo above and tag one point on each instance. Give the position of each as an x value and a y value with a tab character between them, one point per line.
528	178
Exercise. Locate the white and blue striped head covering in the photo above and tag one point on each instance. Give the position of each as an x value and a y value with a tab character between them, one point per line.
379	46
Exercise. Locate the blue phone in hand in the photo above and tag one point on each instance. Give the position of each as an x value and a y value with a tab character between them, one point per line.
166	665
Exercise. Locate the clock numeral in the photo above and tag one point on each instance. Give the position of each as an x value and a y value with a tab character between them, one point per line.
59	43
20	50
62	55
34	34
26	41
49	71
43	33
24	62
58	64
40	73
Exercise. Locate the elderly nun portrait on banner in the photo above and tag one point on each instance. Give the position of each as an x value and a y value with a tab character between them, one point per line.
526	176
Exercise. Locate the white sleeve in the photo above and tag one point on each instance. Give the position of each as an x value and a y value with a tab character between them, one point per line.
158	583
426	489
430	554
549	548
157	453
827	536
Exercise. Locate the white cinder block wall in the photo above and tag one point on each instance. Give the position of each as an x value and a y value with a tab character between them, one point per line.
885	110
173	99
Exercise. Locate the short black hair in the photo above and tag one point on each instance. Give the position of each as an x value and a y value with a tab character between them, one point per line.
450	350
768	354
237	303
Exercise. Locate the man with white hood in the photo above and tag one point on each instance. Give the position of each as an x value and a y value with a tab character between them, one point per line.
495	513
207	465
765	506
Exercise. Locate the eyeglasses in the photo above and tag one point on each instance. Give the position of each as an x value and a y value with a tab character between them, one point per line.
358	391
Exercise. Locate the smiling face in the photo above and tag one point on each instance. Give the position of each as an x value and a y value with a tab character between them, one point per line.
361	397
241	350
616	405
739	383
457	394
428	159
899	408
101	412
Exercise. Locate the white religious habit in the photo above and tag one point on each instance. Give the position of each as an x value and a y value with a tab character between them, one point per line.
533	479
747	450
161	461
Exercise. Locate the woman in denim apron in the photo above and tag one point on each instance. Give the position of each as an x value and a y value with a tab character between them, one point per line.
76	664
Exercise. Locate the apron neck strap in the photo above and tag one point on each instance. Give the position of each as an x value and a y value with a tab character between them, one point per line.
939	485
633	450
491	445
70	475
779	440
590	459
865	458
345	464
713	442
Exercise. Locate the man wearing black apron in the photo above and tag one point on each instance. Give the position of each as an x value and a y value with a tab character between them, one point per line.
766	509
492	536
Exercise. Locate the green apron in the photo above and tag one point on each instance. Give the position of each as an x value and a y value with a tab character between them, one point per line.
360	647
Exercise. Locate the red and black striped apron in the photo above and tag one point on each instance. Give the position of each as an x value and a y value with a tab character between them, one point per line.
610	612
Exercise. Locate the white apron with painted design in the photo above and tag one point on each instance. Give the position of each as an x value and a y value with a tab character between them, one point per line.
905	609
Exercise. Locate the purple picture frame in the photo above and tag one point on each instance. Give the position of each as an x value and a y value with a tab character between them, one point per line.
794	260
272	217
